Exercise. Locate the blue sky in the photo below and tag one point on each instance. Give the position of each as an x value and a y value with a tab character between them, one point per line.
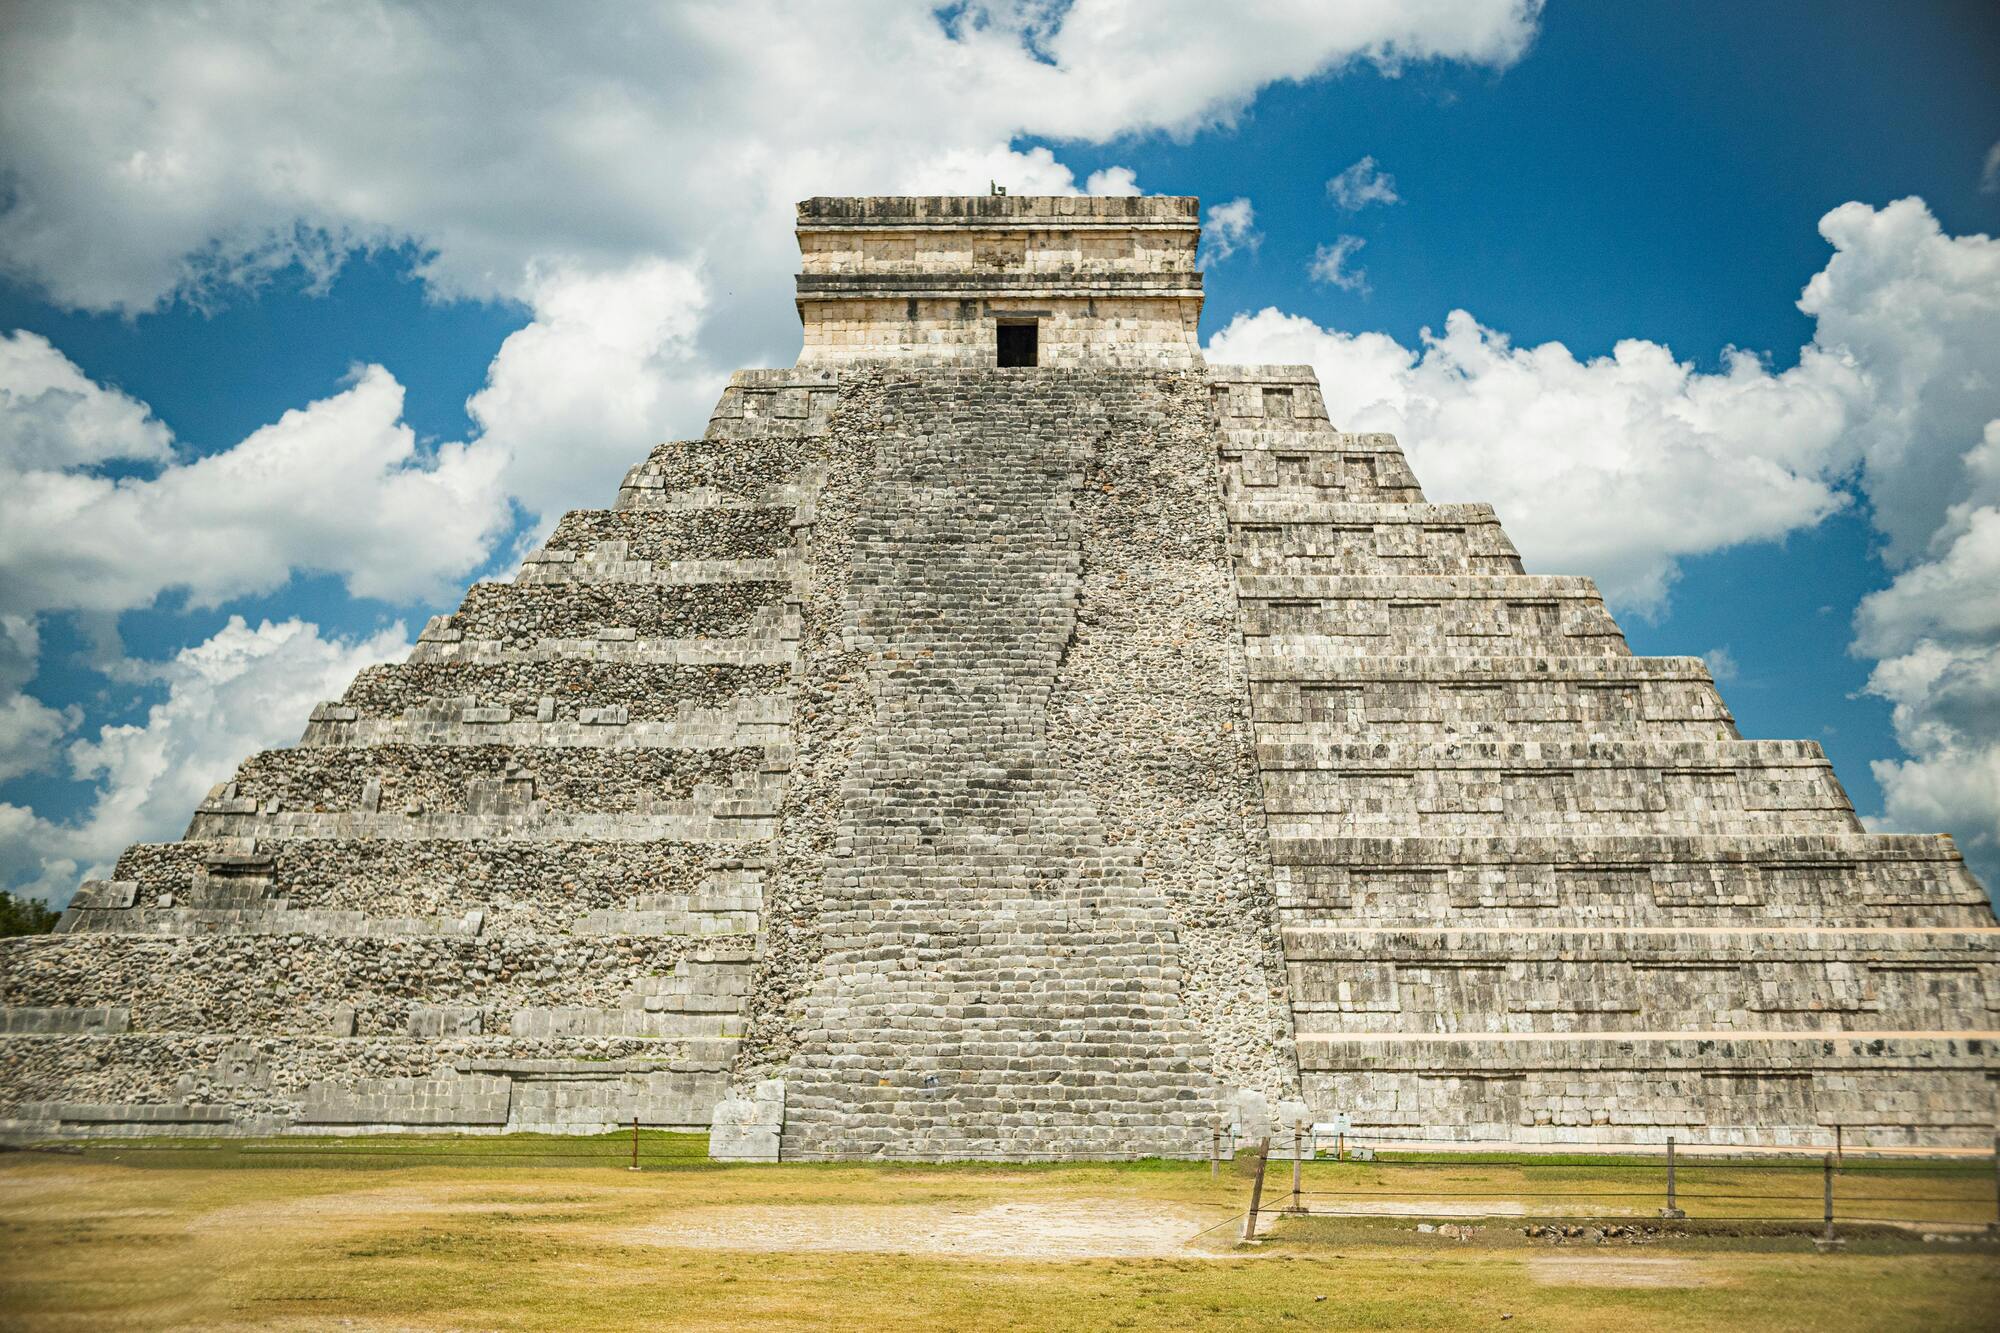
211	244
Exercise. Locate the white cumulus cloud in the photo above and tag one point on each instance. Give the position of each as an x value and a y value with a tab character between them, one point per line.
1362	184
1722	664
1113	181
1936	634
242	690
627	173
29	733
217	142
1330	265
578	396
1619	466
1615	466
53	416
338	486
1230	227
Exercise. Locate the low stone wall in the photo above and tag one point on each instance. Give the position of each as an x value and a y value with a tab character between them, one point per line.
521	615
301	984
645	691
1640	881
1881	1089
440	777
663	535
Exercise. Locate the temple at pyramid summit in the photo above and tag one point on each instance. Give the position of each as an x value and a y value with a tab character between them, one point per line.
1004	734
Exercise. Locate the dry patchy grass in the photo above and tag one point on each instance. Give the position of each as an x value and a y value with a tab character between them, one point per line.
493	1236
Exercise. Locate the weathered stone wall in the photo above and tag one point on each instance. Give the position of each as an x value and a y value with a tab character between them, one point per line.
1019	762
1150	715
227	1083
1884	1089
999	973
516	882
961	331
1640	880
513	886
646	691
926	281
296	983
834	710
521	615
1537	890
438	777
714	533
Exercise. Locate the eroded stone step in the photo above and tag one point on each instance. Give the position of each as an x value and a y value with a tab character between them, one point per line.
604	567
1293	537
239	1084
1527	878
523	615
1550	979
555	690
744	721
1333	699
771	638
1302	468
486	779
1240	396
745	530
1883	1089
1525	615
420	986
733	816
550	886
1594	789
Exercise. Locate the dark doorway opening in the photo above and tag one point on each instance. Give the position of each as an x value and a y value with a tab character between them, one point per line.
1018	344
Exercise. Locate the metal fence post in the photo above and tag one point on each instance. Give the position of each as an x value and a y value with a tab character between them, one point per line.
1828	1174
1257	1189
1215	1152
635	1145
1298	1152
1996	1182
1672	1210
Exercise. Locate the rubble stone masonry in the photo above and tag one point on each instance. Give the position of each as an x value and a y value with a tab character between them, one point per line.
940	759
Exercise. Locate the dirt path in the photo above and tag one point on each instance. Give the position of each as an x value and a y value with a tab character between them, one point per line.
1053	1229
1416	1207
1571	1270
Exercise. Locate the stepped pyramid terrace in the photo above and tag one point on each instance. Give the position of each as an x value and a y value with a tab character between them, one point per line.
1004	734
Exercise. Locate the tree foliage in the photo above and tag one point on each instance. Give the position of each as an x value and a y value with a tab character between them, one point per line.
25	916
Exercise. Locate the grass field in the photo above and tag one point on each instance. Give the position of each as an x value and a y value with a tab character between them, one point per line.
526	1233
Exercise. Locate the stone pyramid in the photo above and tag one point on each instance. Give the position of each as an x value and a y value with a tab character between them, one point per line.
1003	735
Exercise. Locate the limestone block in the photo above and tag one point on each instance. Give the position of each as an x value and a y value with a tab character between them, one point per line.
429	1022
1036	753
749	1128
1251	1116
105	894
62	1020
446	1099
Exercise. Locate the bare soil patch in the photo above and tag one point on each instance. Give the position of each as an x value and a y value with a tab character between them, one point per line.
1044	1229
1414	1207
1572	1270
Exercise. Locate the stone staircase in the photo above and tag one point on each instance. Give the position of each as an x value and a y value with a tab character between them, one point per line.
1022	763
515	882
999	978
1535	889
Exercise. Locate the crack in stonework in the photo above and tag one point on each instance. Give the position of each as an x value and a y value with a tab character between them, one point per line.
998	976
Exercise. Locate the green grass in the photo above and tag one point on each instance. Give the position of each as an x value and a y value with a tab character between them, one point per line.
526	1232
